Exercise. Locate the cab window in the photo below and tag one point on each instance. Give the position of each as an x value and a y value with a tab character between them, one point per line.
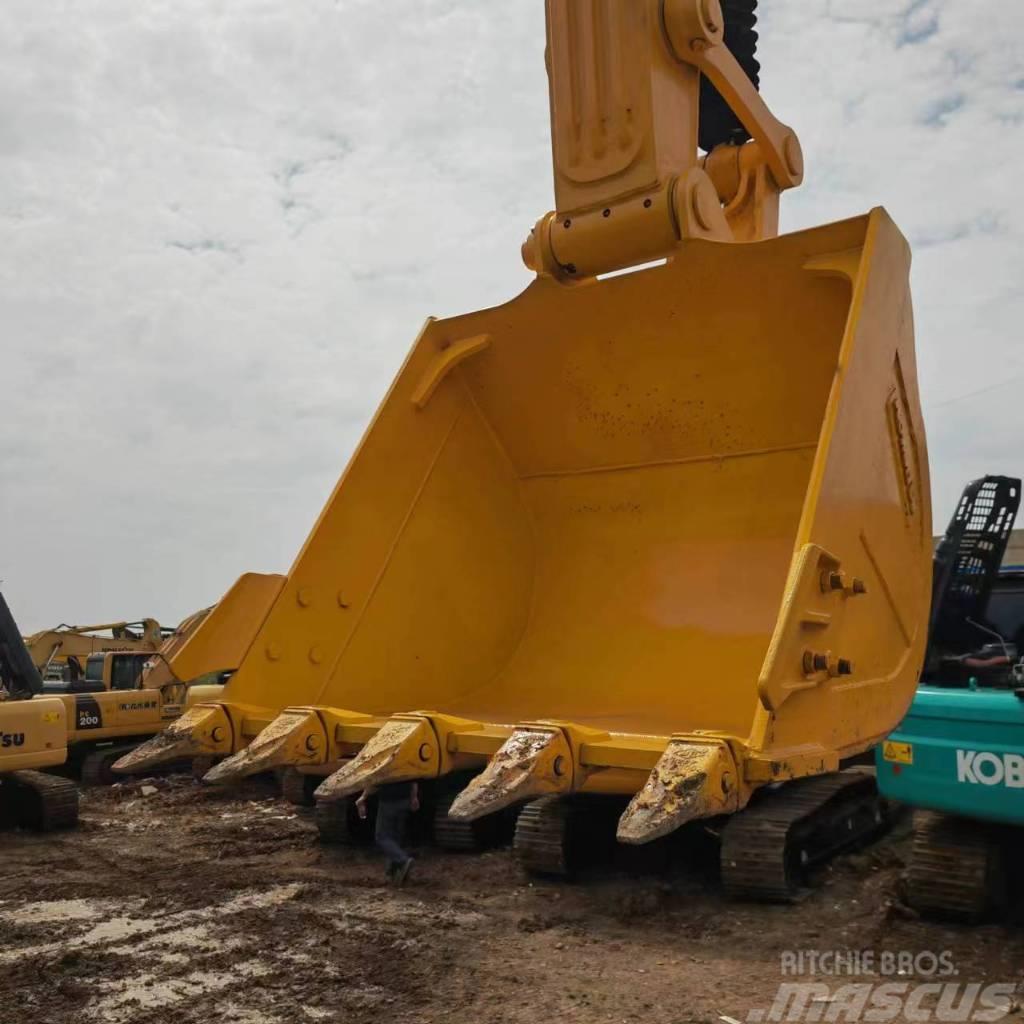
94	668
125	672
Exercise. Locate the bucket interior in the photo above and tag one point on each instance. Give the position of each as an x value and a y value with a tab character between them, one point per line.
605	502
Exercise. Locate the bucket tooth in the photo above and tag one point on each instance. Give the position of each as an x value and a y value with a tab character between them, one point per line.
203	730
532	762
692	779
295	737
403	749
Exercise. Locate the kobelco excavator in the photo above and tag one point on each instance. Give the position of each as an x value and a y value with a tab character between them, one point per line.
958	756
656	534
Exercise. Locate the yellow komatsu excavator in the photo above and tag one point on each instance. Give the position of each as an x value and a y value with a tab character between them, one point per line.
32	736
653	536
60	653
85	724
125	697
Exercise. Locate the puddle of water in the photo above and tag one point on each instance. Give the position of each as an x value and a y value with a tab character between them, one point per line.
356	911
171	959
117	929
149	992
190	936
54	910
233	1013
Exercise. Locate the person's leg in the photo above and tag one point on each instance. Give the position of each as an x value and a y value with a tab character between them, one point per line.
388	834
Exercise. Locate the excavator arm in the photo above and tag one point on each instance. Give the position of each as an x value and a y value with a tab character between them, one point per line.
18	675
627	82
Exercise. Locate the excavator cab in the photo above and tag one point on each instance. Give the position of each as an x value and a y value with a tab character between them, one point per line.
659	527
963	642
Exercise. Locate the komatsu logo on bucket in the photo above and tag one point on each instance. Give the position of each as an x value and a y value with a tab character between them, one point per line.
980	767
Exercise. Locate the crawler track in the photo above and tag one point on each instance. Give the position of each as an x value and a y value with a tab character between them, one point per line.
769	848
39	801
956	867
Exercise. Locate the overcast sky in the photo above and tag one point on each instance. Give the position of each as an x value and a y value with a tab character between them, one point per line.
224	221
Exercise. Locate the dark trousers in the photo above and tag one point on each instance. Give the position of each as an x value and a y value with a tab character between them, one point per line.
390	831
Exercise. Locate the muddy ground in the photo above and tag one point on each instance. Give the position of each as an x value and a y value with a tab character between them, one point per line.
191	906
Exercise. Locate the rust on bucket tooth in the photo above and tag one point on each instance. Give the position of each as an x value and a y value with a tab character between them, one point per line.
204	730
532	762
403	749
692	779
295	737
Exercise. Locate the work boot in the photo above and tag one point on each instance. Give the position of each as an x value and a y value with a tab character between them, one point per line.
402	871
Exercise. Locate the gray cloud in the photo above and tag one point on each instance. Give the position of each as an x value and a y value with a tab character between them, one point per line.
224	224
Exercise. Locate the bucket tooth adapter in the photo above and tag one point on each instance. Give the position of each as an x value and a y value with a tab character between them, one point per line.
402	750
204	730
694	778
296	737
299	737
532	762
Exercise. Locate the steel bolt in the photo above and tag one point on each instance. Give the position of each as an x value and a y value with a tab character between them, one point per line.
815	661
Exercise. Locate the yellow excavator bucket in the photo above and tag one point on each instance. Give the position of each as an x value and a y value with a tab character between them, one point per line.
663	533
210	642
218	638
